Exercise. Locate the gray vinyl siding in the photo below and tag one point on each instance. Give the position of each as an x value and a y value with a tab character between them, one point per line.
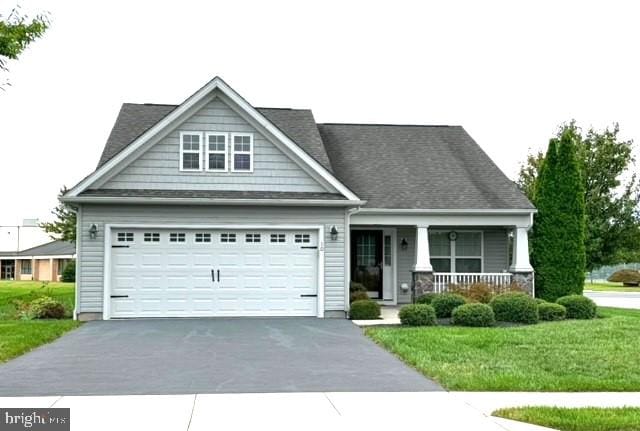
91	267
159	167
496	255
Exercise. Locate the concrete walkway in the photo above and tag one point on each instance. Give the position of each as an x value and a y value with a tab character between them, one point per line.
319	410
615	299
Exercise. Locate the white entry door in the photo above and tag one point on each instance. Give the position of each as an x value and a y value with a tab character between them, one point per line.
191	272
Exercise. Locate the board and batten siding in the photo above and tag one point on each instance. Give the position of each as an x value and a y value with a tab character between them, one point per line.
159	166
496	255
91	269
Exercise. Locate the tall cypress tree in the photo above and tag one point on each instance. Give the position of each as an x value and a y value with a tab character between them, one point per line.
558	231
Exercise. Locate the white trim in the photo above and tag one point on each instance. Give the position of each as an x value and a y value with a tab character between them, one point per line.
40	257
191	102
446	211
106	298
211	201
459	219
234	152
183	151
208	152
78	282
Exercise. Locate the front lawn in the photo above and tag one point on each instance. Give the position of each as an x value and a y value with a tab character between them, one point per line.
571	355
577	419
18	336
609	287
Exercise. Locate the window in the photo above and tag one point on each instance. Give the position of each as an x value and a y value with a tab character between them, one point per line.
203	237
242	152
190	151
387	250
151	237
303	238
227	237
278	237
464	254
125	236
217	152
25	267
252	237
177	237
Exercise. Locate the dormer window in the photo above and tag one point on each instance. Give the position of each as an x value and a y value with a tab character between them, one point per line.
190	151
242	152
217	152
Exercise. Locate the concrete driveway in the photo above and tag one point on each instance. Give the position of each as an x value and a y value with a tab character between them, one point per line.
186	356
615	299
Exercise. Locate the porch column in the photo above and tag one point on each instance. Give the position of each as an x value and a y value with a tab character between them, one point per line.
422	271
520	267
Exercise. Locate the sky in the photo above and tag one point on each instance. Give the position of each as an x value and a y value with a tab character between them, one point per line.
509	72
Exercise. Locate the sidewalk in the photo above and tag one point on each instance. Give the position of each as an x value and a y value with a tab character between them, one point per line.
372	411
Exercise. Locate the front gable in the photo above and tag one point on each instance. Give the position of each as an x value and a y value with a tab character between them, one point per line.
154	160
160	166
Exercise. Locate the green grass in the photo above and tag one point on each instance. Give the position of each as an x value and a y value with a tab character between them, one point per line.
573	355
577	419
20	336
609	287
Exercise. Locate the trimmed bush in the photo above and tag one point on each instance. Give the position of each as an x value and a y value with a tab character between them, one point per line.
358	296
444	303
578	307
69	272
475	314
550	311
357	287
542	301
476	292
417	315
515	307
628	277
364	309
426	298
46	308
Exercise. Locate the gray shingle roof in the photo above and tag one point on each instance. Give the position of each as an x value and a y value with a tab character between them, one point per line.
426	167
209	194
53	248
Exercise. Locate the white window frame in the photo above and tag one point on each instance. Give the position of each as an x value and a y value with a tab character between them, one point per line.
225	152
200	152
234	152
453	255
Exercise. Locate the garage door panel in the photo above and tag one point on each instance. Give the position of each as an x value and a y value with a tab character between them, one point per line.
174	279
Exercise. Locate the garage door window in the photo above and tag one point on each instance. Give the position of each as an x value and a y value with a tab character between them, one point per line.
125	236
252	237
177	237
228	237
278	237
203	237
303	238
151	237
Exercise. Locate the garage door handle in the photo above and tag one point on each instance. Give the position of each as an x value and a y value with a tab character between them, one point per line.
218	276
308	296
213	275
119	296
310	246
119	246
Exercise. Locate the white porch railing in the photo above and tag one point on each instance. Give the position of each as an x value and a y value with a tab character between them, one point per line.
442	280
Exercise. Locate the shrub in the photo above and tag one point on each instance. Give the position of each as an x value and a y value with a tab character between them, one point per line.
628	277
69	272
417	315
426	298
550	311
46	308
357	287
578	306
476	292
444	303
515	307
358	296
364	309
541	301
475	314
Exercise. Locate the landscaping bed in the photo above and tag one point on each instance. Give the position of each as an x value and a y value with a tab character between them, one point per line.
577	419
570	355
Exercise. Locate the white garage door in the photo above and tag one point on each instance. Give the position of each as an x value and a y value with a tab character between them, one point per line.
186	273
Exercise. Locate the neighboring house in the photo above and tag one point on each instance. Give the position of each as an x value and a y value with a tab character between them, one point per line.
217	208
42	263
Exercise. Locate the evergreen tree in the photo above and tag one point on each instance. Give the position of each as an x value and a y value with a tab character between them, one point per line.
558	231
64	227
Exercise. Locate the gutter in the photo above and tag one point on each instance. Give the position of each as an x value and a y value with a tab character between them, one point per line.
209	201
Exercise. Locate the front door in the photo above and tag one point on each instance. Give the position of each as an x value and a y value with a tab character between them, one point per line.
366	260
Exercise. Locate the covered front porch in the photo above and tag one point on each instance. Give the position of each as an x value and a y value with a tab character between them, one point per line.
398	256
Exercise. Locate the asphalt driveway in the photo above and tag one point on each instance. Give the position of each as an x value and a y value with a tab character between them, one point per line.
186	356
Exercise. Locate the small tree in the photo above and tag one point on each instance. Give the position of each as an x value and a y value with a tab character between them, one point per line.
558	231
69	272
64	227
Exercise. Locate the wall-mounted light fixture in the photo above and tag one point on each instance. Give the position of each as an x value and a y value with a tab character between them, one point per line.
404	244
334	233
93	231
